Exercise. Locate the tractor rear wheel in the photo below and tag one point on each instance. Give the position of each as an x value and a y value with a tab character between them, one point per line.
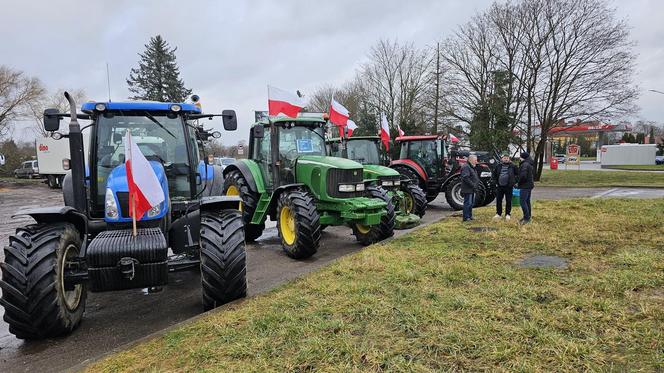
480	195
298	224
235	184
368	234
223	258
453	194
37	303
415	199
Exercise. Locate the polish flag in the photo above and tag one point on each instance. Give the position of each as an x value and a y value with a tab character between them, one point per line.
338	114
453	138
144	187
283	102
351	126
401	132
384	131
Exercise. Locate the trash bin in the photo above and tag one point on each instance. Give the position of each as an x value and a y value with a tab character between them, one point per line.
516	200
553	163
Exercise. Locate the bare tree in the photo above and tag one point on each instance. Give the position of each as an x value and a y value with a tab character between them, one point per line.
56	100
17	92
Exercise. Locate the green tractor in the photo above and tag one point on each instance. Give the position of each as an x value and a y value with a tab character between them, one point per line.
289	178
408	198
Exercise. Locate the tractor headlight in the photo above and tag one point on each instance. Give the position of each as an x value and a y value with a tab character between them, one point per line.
397	182
110	207
176	108
359	187
387	183
345	188
100	107
485	174
154	211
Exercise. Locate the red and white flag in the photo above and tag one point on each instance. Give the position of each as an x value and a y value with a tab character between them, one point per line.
283	102
453	138
351	126
144	187
338	116
401	132
384	131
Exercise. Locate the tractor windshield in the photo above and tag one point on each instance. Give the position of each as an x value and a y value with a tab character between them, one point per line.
295	141
426	153
363	151
160	137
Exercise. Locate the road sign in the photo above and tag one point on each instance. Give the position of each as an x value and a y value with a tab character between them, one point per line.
240	149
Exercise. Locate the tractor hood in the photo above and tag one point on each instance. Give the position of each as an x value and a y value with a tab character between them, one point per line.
373	171
327	162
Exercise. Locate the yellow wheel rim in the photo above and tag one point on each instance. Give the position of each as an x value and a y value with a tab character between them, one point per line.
364	229
287	225
234	191
409	203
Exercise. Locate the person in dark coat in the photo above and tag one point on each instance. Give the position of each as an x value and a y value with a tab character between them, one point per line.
526	183
469	182
504	176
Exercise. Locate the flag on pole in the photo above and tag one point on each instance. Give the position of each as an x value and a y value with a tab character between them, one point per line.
144	187
338	116
351	126
453	138
283	102
384	131
401	132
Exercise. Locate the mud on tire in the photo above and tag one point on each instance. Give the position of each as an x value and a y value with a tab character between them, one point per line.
381	231
33	294
298	224
223	258
249	201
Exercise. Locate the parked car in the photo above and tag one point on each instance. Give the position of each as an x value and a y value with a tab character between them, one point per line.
560	157
28	169
659	159
224	162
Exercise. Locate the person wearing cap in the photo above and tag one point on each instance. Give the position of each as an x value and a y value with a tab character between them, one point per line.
526	183
469	182
504	176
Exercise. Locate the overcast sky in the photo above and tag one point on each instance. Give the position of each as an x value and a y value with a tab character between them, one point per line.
229	51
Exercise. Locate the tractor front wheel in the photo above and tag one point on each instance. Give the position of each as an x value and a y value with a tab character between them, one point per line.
368	234
37	302
223	258
453	194
235	184
415	199
298	224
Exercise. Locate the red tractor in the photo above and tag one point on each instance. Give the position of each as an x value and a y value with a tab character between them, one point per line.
427	160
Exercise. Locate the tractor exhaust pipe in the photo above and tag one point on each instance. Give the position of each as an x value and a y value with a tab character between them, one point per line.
77	162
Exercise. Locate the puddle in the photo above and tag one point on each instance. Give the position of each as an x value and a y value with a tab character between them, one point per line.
544	261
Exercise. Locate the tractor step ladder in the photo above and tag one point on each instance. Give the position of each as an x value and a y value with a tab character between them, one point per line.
261	206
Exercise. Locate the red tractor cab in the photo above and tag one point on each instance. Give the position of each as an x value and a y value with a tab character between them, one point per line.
426	159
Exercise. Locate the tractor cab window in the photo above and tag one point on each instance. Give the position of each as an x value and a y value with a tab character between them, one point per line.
262	156
295	141
158	136
363	151
426	153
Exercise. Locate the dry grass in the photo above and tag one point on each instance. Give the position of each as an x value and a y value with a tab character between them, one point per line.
443	298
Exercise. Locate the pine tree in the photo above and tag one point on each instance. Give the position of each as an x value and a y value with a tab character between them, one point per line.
157	77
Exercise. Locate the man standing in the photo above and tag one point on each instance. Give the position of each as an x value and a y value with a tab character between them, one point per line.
526	184
504	175
469	182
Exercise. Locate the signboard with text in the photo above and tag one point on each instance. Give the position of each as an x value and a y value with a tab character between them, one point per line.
573	155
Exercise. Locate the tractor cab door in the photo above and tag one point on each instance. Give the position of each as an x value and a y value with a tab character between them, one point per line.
427	154
261	153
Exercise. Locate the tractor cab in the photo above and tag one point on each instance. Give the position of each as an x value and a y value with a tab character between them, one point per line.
289	178
423	159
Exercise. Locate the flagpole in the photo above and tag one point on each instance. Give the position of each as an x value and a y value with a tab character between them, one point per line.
133	213
132	196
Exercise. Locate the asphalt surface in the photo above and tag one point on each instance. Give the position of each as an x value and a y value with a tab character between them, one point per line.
116	318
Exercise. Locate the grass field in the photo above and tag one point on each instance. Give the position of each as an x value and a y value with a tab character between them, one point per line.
445	298
641	167
576	178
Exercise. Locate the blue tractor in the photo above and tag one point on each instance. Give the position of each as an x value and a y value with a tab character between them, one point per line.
88	244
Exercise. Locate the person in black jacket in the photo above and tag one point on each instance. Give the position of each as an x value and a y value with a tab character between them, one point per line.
526	184
504	176
469	182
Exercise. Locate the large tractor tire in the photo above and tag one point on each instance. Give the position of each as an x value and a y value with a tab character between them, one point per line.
453	194
236	185
415	199
298	224
36	303
480	196
489	196
368	235
223	258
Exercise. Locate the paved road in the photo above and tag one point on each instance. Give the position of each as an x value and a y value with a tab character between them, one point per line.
114	319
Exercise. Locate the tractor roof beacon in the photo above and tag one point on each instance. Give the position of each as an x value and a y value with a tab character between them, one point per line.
289	178
88	243
408	198
426	159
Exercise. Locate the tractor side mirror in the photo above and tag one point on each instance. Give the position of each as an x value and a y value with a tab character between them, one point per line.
258	131
230	120
51	120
